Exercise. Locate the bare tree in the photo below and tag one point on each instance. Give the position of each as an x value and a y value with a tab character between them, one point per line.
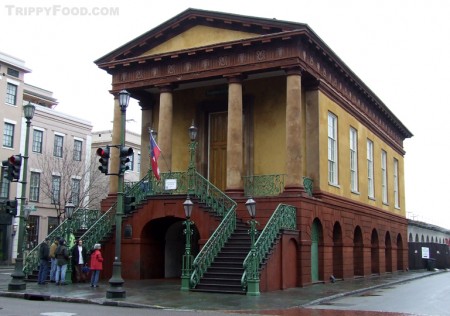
67	179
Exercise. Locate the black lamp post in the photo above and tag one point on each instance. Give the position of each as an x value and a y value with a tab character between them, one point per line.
192	146
253	272
115	289
187	257
69	208
18	277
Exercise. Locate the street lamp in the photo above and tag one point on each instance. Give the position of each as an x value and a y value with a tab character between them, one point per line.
69	209
18	277
253	272
116	282
191	170
187	257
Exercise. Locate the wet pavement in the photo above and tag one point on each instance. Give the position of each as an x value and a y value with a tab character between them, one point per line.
166	294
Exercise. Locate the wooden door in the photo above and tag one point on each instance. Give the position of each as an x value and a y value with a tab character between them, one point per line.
217	170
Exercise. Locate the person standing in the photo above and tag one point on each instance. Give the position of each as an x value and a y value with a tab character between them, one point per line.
53	259
96	265
62	257
44	257
79	259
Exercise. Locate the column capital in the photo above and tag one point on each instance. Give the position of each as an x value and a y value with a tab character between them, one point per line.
297	70
166	88
236	78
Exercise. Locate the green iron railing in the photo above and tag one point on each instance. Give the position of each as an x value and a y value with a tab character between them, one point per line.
284	217
82	218
141	189
224	207
263	185
100	228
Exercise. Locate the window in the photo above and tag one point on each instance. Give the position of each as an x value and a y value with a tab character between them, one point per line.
58	146
75	192
77	147
138	163
353	159
32	232
131	163
13	72
4	187
396	194
11	94
37	141
370	180
332	150
56	188
384	191
8	135
35	183
52	224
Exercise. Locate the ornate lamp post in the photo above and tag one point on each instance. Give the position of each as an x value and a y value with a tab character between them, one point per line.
18	277
187	257
253	273
115	289
69	209
192	146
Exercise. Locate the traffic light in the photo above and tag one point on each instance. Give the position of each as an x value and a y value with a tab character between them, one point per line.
11	207
124	154
14	163
129	204
104	159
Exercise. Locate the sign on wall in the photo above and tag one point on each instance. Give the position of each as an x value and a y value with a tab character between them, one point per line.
425	253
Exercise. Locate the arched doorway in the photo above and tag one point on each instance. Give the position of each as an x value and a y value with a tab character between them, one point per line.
388	252
358	252
375	253
162	248
399	253
316	251
338	266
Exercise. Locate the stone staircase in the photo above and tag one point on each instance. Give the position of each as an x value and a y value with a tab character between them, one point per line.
225	273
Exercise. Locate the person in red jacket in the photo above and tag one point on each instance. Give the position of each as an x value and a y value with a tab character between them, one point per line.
96	265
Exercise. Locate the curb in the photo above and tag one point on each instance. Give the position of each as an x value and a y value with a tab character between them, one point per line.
366	289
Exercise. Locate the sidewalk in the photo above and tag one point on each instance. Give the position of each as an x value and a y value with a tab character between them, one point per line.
167	294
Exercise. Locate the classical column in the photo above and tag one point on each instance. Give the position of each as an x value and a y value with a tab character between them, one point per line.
293	130
146	125
234	136
165	128
114	152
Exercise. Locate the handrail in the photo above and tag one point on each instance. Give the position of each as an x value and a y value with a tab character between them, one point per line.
82	218
284	217
225	207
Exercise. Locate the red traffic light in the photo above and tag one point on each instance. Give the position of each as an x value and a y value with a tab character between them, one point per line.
104	153
15	160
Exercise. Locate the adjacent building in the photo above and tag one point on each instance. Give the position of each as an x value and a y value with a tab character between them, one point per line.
280	118
12	73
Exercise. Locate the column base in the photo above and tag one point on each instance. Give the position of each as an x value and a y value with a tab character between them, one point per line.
115	283
253	287
18	277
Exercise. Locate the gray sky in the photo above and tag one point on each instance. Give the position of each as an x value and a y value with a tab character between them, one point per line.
399	48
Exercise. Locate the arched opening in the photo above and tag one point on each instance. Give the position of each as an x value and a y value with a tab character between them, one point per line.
162	248
316	251
338	262
417	238
399	253
358	252
388	252
410	237
375	253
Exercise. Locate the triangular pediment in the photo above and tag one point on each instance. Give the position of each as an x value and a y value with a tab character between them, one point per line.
196	28
198	36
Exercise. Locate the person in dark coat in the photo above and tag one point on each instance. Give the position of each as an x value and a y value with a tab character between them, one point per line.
62	257
96	265
79	260
44	257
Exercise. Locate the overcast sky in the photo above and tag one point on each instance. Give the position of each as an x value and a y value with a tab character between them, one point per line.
399	48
